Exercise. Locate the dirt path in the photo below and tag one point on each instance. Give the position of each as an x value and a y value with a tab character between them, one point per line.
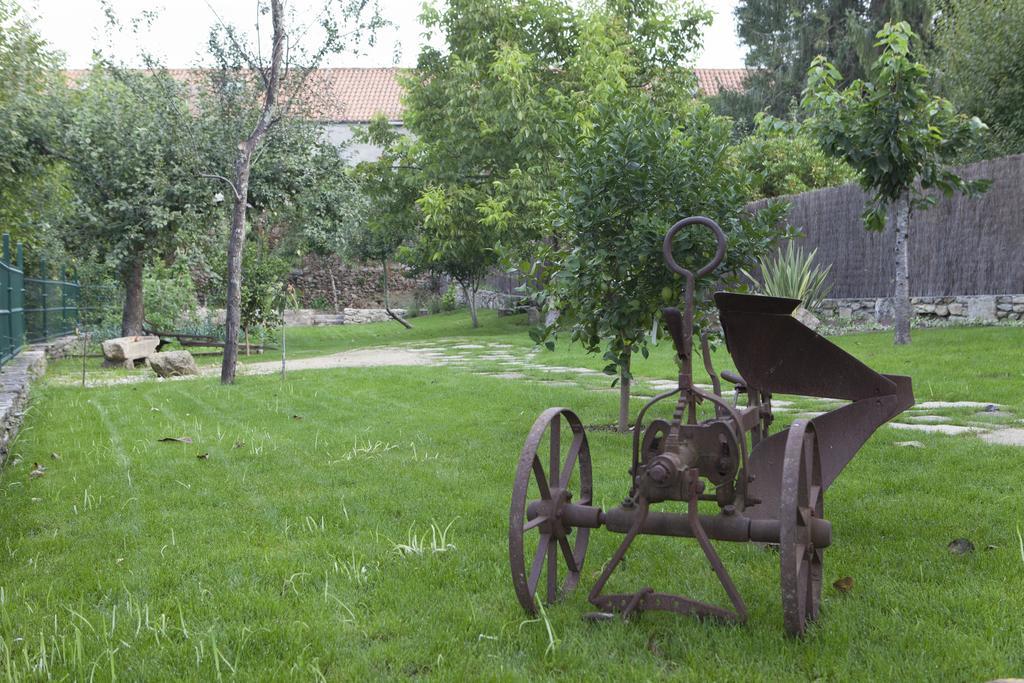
360	358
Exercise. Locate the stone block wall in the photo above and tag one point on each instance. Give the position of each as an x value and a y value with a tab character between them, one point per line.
356	286
485	298
975	308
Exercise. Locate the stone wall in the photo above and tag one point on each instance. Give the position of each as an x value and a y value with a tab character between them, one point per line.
485	298
303	317
975	308
15	377
355	286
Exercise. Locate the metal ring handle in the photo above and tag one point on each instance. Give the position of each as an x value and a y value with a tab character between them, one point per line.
666	248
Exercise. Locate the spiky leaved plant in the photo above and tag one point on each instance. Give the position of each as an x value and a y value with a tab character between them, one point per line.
792	274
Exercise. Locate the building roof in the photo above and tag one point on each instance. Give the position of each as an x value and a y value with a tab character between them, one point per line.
354	95
714	81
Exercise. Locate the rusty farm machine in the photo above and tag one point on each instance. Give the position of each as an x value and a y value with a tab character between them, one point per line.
769	488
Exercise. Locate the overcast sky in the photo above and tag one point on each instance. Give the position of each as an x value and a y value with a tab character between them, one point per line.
178	36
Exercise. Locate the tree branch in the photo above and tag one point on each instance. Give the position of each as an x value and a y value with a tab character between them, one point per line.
234	190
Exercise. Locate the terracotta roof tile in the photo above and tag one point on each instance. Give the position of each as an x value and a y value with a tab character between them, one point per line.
348	95
713	81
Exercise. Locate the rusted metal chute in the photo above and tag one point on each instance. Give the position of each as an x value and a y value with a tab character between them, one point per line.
769	488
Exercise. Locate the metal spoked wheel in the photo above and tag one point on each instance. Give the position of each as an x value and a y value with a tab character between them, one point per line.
546	481
802	500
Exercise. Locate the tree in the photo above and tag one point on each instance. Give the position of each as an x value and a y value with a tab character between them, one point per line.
783	37
979	60
33	192
132	173
643	154
270	76
506	93
783	157
897	137
390	216
263	290
280	86
493	95
640	171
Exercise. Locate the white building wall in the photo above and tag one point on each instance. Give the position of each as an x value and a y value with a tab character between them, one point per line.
342	133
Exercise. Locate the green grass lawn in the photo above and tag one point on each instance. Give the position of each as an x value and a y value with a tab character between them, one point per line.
284	554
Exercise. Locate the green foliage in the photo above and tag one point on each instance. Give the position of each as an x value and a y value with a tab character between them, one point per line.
448	298
133	168
170	295
889	129
783	158
783	37
640	170
263	289
791	273
979	59
494	115
33	193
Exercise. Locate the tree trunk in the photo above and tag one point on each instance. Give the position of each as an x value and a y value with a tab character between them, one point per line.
624	382
902	309
334	290
134	312
243	165
233	308
470	294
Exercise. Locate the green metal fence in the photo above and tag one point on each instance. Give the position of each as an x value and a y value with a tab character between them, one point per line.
33	309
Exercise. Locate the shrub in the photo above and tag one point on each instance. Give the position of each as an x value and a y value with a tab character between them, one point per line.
169	295
792	274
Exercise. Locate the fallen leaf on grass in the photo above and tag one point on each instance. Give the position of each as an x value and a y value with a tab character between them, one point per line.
844	585
55	456
296	417
37	500
203	456
37	471
177	439
239	444
960	546
991	547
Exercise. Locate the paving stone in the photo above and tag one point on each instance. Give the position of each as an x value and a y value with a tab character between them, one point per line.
1005	437
507	375
927	419
937	429
933	405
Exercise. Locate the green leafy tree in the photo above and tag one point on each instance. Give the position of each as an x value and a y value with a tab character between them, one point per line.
33	193
898	138
263	291
640	170
390	214
782	37
484	139
131	169
783	158
979	61
169	294
508	92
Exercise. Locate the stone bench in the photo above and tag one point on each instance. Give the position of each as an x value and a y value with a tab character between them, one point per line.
124	351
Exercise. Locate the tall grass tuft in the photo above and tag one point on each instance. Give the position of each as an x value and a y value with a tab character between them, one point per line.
792	274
